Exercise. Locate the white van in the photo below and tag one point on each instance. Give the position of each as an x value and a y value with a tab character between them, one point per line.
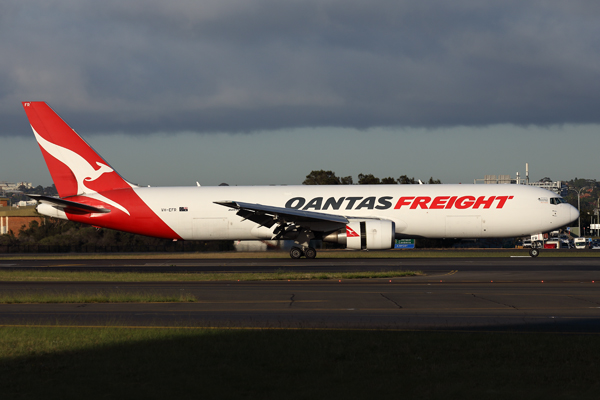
580	243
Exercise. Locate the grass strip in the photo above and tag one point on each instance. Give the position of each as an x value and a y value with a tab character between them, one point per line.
95	276
99	363
322	254
99	297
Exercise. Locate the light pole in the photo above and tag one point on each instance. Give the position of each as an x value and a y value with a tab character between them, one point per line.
579	206
597	214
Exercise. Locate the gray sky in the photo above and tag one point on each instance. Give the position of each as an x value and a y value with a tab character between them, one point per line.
264	91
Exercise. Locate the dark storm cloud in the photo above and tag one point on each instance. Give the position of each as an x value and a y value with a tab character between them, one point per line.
143	66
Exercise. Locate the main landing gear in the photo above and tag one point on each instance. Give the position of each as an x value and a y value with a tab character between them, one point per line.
302	247
297	252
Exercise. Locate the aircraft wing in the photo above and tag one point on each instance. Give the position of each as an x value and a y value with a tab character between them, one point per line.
68	206
269	215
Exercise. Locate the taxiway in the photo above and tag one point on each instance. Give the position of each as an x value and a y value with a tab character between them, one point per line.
507	294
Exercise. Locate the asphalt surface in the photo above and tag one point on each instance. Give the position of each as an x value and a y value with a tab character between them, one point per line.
483	294
428	265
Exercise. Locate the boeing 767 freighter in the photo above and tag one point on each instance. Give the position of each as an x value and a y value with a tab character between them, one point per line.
368	217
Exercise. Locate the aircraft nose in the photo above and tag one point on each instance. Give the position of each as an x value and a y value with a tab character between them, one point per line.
574	214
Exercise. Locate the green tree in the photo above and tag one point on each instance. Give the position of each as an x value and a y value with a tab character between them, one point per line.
405	180
346	180
322	177
8	238
15	197
368	179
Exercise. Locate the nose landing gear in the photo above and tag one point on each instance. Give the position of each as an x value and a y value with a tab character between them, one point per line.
534	252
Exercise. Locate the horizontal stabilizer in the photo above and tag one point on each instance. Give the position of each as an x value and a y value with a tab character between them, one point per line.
68	206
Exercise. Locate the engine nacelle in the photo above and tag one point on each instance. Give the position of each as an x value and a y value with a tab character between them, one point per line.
371	234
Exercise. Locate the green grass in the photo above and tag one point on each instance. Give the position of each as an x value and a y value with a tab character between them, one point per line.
99	297
99	363
69	276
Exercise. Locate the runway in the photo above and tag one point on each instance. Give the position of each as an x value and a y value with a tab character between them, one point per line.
428	265
499	294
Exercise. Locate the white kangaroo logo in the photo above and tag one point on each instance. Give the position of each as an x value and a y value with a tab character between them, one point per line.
81	169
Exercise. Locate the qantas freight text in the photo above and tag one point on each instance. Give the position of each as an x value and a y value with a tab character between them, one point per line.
408	202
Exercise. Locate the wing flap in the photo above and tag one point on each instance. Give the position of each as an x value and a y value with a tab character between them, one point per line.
270	215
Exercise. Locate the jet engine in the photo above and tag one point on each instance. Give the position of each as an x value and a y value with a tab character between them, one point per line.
370	234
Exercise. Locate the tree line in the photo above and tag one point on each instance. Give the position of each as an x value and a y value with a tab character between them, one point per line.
322	177
589	198
56	233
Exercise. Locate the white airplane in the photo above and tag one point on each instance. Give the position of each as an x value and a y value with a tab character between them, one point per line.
368	217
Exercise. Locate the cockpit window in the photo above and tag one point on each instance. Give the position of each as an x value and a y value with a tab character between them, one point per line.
557	200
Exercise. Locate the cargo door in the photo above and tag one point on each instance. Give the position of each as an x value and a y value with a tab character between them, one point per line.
463	226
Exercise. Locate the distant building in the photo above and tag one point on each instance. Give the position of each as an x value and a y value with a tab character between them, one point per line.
499	180
25	203
15	218
558	187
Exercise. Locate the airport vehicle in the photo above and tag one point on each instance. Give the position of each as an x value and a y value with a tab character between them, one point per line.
556	244
362	217
581	243
538	240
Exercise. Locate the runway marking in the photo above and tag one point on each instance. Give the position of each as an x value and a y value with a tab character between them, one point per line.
454	271
60	265
245	302
516	293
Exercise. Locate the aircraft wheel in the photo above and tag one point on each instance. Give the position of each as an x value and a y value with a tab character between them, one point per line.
534	252
310	253
296	252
